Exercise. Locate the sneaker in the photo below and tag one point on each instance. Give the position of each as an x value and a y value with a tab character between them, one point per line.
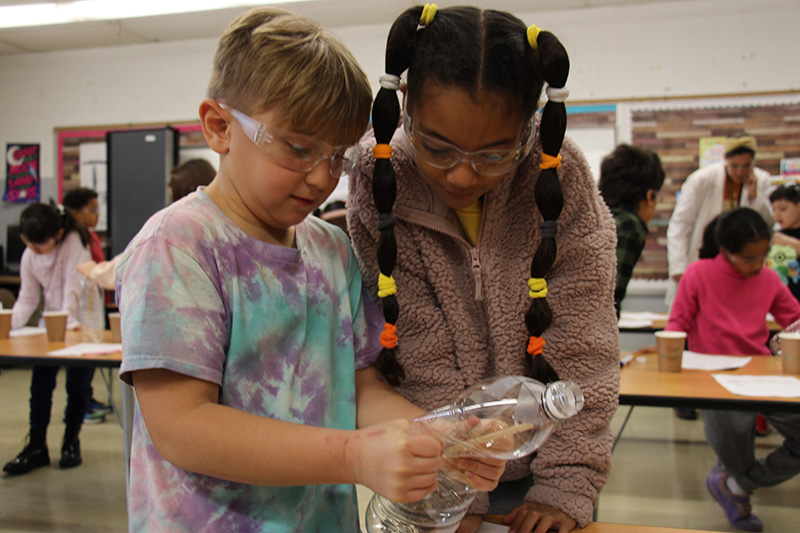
736	508
94	405
94	417
686	413
28	459
762	426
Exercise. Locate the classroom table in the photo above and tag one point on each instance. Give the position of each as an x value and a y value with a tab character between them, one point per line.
659	322
33	349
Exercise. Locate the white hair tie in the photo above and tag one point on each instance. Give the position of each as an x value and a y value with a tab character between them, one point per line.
557	95
390	81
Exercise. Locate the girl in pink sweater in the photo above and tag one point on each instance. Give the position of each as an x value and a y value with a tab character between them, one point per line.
722	303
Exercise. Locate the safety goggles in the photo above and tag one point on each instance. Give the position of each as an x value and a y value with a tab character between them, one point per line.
293	151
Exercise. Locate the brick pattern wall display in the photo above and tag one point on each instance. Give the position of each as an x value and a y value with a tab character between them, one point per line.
675	134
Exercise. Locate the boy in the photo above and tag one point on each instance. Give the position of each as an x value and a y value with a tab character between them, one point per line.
783	256
630	179
249	336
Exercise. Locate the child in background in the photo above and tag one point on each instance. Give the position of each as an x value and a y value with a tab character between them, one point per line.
248	334
785	201
500	245
722	304
56	244
630	179
83	205
188	176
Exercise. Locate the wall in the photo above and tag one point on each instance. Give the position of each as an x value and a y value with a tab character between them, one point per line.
704	47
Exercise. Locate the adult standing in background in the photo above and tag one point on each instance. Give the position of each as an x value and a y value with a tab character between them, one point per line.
706	193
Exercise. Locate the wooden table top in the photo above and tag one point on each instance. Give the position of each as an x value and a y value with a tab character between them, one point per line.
657	324
32	349
642	384
602	527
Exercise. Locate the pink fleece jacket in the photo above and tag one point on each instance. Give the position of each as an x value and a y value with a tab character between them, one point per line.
724	312
462	307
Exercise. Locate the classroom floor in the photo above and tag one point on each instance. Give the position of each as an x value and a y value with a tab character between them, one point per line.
657	479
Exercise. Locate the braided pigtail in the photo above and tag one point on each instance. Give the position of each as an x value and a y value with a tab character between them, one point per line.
549	196
385	116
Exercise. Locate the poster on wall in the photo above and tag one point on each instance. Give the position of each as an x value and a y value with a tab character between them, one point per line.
23	184
712	150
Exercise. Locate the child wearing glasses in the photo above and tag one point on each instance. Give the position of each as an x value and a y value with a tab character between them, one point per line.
488	245
248	334
722	303
56	243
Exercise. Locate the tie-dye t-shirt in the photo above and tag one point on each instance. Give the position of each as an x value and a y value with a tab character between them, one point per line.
280	330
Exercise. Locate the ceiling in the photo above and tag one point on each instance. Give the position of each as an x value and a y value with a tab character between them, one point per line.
209	24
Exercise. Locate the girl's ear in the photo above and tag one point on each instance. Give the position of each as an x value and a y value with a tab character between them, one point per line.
216	129
59	235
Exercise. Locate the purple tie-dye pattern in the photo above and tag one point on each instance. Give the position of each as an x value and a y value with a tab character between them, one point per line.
282	332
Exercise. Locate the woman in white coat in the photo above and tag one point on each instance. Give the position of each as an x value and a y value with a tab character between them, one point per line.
706	193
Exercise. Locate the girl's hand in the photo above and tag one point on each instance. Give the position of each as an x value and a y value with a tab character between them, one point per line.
543	518
393	463
483	473
470	524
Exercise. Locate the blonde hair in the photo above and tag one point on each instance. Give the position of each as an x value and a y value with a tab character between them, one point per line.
271	59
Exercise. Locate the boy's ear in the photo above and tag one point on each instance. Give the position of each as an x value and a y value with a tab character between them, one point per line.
215	125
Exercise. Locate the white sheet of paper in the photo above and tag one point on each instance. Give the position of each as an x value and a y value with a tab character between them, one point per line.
647	316
631	323
699	361
86	348
769	386
26	331
488	527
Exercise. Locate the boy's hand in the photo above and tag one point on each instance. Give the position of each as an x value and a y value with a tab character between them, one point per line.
394	463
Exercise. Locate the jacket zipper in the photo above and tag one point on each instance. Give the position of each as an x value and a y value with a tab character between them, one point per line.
474	253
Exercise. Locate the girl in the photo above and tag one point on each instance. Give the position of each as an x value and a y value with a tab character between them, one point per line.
470	207
721	304
56	244
247	332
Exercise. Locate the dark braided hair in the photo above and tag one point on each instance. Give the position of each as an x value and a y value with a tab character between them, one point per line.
482	52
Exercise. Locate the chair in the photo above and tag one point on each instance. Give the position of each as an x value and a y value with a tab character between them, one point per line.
337	217
7	298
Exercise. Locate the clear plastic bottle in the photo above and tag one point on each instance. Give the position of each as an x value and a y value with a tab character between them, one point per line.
507	418
91	312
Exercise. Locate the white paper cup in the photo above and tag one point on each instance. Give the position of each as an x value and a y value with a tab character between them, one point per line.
56	324
670	350
790	352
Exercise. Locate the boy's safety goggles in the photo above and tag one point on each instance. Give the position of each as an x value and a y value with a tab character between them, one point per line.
291	150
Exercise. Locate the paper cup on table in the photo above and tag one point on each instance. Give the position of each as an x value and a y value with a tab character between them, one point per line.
790	352
5	323
56	324
113	320
670	350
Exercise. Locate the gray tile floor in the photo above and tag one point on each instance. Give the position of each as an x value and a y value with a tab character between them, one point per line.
657	476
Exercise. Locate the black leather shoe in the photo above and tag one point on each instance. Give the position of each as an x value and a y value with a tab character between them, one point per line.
30	458
686	413
70	454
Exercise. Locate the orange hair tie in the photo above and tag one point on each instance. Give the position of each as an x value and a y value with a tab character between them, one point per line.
382	151
535	346
389	336
548	161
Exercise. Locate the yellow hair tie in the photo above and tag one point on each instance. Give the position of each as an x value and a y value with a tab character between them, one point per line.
538	287
386	286
533	36
535	345
548	161
389	336
427	14
382	151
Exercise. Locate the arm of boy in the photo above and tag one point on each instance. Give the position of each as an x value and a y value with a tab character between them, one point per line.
376	400
193	431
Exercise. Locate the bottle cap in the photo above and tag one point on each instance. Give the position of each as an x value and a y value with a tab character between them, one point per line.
562	400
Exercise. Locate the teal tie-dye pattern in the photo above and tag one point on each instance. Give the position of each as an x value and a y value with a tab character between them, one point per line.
282	331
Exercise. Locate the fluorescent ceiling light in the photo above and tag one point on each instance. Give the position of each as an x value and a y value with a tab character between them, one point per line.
45	14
